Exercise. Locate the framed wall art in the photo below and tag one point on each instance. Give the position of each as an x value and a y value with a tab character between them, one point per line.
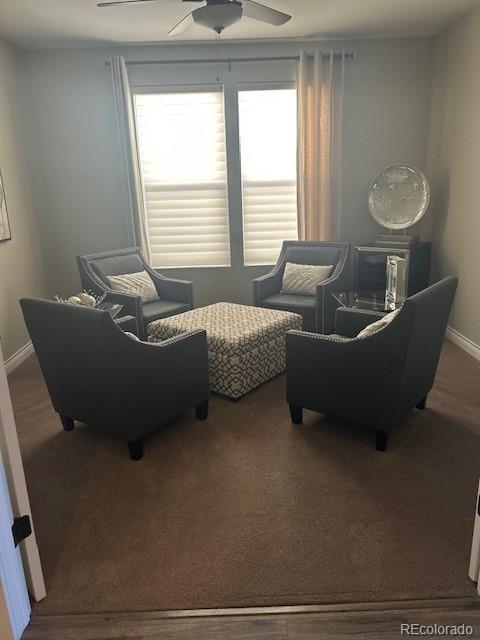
5	233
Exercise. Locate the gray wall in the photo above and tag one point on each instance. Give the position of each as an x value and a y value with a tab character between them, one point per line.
453	158
21	269
75	153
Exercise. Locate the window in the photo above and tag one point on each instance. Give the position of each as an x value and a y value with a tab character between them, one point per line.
268	144
181	138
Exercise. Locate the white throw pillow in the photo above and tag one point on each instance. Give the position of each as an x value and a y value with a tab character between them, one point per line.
302	279
136	284
378	325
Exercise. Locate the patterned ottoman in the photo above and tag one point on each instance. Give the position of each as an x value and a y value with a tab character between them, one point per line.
246	345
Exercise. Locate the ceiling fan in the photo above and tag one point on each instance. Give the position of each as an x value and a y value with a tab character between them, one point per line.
216	14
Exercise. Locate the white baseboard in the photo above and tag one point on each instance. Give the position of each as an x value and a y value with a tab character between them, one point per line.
18	357
464	343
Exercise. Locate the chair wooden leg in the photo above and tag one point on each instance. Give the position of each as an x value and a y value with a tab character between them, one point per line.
296	413
422	404
135	449
381	440
201	410
67	423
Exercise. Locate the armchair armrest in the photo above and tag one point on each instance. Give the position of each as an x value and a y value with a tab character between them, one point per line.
173	365
325	302
163	379
355	379
349	322
267	285
132	305
172	289
128	324
188	346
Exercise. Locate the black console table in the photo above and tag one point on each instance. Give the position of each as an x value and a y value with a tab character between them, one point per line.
371	265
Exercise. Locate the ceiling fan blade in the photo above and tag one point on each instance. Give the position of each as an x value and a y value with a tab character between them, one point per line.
182	26
259	11
113	3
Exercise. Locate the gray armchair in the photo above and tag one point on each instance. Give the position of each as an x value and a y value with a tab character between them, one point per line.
98	375
175	296
375	380
318	311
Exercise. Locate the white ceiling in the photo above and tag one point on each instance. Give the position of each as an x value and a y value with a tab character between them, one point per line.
68	23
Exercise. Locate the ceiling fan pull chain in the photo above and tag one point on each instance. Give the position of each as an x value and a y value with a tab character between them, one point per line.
217	38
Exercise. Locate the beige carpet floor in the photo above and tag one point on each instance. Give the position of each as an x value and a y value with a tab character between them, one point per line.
246	509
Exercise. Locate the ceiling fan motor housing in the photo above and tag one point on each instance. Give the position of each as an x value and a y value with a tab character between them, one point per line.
218	14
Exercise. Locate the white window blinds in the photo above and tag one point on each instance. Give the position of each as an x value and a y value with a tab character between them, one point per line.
181	137
268	144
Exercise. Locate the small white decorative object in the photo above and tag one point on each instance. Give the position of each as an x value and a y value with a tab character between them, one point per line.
86	299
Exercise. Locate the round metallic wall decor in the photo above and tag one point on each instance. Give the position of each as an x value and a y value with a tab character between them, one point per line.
398	197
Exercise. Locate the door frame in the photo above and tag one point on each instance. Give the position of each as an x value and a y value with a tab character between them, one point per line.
474	571
5	624
15	603
18	487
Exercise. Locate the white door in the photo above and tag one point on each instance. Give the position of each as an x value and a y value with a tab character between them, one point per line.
13	470
475	557
11	568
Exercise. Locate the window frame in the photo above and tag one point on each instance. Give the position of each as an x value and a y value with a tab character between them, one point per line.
230	86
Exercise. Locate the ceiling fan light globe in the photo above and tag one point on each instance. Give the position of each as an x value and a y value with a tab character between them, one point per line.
217	17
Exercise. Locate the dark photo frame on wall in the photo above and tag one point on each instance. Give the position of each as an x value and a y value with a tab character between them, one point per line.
5	233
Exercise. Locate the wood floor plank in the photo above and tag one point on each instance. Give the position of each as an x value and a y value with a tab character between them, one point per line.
333	624
448	604
196	629
380	625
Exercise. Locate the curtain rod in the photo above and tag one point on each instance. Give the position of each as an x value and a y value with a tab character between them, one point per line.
131	63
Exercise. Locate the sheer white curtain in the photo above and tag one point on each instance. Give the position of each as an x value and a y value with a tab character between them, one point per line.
132	179
320	86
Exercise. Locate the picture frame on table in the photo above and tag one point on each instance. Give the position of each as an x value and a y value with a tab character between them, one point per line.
5	231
